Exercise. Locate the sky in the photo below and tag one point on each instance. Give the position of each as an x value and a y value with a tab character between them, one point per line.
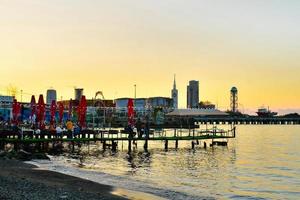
112	45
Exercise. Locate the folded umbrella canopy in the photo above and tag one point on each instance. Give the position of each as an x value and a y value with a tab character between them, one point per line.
33	109
41	112
82	107
61	111
52	112
130	110
70	110
16	110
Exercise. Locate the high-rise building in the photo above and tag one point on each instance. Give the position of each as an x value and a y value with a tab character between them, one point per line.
51	95
174	94
193	94
234	99
78	93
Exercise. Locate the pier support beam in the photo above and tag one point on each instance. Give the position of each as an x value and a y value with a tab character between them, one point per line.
73	146
129	146
104	145
2	145
114	145
166	144
193	145
176	144
146	146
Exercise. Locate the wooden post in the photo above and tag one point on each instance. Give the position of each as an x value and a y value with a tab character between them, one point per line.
176	144
193	145
204	145
129	146
104	145
166	144
146	145
114	146
16	146
234	132
2	145
73	146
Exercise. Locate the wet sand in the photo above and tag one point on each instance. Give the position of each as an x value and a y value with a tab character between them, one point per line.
24	181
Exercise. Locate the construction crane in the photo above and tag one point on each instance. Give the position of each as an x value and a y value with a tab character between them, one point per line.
12	90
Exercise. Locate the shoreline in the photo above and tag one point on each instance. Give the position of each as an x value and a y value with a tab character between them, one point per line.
19	180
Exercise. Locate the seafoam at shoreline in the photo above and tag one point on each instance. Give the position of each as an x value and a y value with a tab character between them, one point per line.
130	194
124	187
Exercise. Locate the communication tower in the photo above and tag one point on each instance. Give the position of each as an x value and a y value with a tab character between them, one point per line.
234	99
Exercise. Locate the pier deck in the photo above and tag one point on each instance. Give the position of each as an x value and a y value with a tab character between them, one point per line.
111	137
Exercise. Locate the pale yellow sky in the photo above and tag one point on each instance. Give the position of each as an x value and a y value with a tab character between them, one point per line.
112	45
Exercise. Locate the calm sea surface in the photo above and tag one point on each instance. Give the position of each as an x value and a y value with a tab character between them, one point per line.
263	162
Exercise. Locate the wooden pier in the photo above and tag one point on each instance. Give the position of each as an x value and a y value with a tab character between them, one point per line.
251	120
110	138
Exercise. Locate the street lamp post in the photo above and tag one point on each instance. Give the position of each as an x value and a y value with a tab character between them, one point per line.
135	91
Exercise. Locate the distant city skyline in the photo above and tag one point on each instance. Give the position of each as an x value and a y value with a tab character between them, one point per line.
112	45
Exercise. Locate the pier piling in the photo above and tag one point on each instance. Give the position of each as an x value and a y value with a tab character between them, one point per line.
129	145
166	144
104	145
114	145
146	145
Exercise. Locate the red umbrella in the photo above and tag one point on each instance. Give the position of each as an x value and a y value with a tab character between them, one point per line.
61	111
52	112
70	110
82	111
33	105
130	110
79	111
33	109
41	112
16	109
18	114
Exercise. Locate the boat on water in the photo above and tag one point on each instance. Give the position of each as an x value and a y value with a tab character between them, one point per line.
265	112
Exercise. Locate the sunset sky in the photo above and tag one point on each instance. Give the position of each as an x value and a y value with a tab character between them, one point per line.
112	45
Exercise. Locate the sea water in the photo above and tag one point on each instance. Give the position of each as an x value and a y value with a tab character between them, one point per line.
262	162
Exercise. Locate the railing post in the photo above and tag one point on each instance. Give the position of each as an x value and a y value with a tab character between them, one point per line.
166	144
129	145
234	132
146	145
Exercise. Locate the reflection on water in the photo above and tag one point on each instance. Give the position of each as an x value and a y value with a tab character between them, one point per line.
263	162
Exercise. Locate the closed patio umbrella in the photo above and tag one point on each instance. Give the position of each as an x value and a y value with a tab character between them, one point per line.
82	111
52	112
61	111
130	110
41	112
16	109
70	110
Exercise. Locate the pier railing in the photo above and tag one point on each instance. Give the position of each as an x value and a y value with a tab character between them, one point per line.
30	135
